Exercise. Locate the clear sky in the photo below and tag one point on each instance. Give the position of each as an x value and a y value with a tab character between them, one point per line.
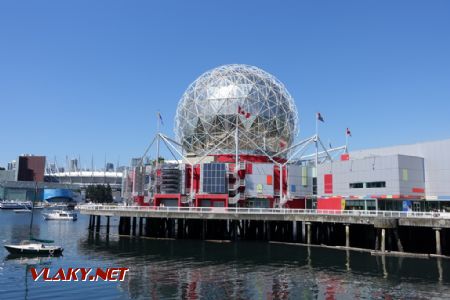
86	78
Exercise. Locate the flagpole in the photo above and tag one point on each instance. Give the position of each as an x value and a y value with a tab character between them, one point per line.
236	142
158	124
346	140
317	143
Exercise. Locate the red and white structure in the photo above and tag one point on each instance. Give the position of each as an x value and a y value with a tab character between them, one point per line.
235	128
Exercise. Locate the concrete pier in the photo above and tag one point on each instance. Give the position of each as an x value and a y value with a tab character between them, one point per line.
347	235
384	232
438	241
308	233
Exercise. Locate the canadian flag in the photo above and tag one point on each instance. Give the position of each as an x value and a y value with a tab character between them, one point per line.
243	112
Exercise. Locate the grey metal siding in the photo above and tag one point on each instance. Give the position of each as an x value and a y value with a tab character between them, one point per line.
436	156
386	169
256	183
299	181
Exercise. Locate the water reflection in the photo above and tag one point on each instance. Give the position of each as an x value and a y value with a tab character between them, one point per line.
253	270
26	263
182	269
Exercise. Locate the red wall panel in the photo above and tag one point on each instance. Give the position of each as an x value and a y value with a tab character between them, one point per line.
328	183
334	203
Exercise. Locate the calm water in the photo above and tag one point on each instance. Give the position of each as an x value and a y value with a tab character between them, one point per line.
163	269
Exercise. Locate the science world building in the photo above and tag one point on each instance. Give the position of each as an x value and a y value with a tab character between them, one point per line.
236	143
235	127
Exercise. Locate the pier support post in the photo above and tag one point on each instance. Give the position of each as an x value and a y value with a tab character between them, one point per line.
399	242
308	233
438	241
203	229
90	222
141	225
97	229
347	235
383	239
377	239
303	232
147	227
124	226
294	231
107	225
134	226
268	230
93	223
234	224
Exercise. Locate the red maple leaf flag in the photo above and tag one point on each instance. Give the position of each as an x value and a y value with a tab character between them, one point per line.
243	112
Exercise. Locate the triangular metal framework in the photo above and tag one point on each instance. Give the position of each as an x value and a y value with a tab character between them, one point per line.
207	112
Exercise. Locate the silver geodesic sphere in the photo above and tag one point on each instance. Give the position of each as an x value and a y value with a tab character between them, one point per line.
207	111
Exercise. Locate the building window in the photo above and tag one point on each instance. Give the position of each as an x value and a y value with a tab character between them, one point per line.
356	185
376	184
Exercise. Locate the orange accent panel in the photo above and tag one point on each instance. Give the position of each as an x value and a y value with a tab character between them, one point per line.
418	190
269	180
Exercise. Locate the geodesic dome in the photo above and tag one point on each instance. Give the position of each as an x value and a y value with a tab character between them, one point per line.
212	105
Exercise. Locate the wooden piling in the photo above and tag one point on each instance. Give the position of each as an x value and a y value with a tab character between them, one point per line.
438	241
97	229
347	235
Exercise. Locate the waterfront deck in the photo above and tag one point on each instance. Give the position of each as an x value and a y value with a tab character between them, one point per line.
418	232
380	219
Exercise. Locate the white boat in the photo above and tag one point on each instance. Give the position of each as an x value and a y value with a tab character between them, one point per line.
10	204
60	215
22	211
33	248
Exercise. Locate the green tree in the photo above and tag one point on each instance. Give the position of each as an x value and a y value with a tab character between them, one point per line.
108	194
99	193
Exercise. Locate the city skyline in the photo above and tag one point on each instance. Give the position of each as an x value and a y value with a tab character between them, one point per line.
89	79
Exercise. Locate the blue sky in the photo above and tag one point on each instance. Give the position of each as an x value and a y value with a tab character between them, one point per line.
86	78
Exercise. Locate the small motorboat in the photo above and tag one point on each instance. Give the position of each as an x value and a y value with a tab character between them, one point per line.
33	248
22	211
60	215
10	204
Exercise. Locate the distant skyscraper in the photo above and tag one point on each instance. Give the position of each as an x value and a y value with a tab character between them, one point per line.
12	165
52	168
109	167
73	165
30	168
135	161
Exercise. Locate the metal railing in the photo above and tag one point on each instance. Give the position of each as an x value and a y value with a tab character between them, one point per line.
267	211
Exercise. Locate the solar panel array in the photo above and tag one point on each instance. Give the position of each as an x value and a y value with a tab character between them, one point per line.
214	178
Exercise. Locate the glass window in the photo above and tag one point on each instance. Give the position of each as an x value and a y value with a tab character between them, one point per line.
376	184
356	185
